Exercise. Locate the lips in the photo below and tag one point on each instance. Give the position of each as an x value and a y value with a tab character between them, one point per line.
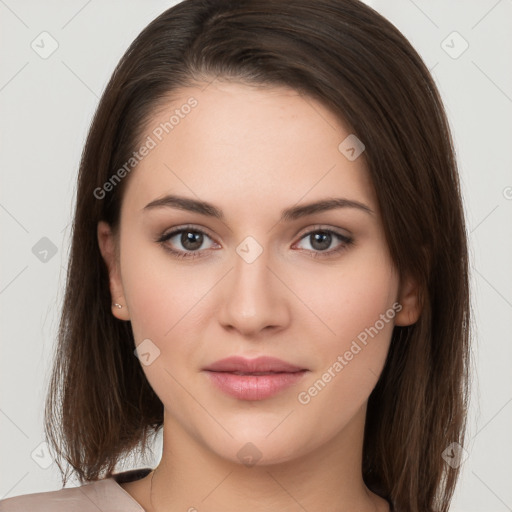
253	379
260	365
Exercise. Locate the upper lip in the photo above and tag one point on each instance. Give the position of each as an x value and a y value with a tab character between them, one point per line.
256	365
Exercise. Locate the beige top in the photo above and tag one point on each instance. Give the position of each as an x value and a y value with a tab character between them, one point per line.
101	495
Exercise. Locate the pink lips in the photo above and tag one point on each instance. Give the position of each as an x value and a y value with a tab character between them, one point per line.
253	379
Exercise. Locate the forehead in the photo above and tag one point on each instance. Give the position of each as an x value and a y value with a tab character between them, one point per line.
237	144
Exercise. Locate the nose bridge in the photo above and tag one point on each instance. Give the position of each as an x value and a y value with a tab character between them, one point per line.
254	298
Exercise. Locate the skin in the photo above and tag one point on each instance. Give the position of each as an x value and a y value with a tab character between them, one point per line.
253	152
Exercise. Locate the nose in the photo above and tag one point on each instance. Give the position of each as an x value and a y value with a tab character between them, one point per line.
254	299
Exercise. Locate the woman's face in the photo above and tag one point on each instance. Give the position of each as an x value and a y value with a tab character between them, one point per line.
315	288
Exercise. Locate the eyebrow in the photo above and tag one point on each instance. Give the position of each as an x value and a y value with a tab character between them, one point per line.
288	214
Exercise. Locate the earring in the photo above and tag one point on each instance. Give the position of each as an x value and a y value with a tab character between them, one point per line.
117	305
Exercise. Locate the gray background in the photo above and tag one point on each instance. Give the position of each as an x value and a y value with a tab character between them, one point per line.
46	105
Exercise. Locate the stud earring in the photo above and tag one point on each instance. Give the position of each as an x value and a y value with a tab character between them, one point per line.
117	305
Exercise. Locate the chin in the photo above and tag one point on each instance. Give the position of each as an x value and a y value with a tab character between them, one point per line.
255	447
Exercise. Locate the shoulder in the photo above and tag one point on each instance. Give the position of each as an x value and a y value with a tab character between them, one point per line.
101	495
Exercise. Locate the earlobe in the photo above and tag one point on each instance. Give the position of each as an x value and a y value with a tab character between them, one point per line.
409	299
107	246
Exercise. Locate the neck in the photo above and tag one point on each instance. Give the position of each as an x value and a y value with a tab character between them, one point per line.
193	478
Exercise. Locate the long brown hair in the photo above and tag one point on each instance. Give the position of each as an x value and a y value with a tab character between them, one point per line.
100	406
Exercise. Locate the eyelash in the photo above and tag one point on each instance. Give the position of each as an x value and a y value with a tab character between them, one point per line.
346	242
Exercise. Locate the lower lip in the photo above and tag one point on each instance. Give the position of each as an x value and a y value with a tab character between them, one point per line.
254	387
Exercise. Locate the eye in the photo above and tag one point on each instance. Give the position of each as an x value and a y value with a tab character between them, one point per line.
321	239
191	240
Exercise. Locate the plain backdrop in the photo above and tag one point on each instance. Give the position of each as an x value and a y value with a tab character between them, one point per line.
46	105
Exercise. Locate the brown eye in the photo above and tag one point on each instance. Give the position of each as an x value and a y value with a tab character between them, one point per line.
321	240
189	242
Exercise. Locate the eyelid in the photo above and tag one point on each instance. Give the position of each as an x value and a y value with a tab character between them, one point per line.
192	227
323	227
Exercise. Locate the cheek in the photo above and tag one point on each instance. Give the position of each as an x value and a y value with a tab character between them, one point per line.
345	299
337	391
161	297
163	307
349	369
356	306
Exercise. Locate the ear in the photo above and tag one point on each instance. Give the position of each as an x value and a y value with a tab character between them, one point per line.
107	245
408	298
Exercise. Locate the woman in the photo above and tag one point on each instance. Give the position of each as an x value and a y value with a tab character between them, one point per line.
269	262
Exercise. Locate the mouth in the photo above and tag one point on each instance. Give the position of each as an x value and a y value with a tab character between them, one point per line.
253	379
